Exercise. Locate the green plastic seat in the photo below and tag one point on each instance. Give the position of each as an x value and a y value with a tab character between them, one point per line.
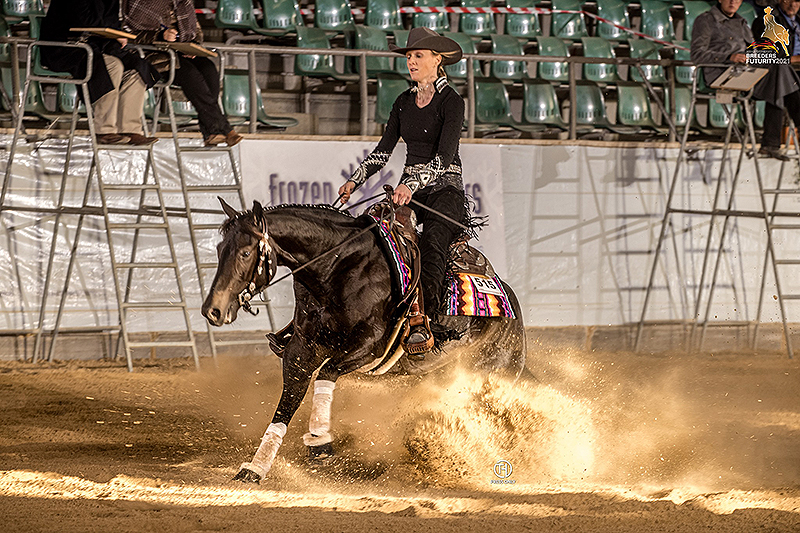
615	11
717	117
34	103
493	107
684	74
400	63
390	86
236	101
5	54
683	100
373	39
748	12
590	110
644	49
316	65
333	15
553	46
691	10
507	70
633	106
758	116
184	108
438	22
280	17
476	24
657	20
568	25
21	9
540	105
66	94
459	70
384	15
523	26
235	15
599	72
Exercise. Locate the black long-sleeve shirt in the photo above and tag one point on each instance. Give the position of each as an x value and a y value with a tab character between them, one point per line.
431	135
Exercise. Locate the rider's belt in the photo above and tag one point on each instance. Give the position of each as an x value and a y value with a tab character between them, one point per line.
412	177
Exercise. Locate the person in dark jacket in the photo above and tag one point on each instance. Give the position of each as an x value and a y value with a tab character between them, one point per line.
721	36
428	117
175	20
119	78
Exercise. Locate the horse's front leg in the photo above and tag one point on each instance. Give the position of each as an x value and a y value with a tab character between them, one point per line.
296	377
319	438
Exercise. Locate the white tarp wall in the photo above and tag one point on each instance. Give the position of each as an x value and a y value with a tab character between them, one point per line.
571	227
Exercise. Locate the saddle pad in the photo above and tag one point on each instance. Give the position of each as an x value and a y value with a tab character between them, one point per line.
401	270
474	295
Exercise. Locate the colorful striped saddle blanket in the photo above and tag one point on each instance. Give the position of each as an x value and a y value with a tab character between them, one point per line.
473	287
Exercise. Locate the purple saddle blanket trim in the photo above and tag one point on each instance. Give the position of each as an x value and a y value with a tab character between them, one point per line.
400	269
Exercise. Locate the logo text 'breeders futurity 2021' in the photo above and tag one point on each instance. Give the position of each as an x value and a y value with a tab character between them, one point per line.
772	47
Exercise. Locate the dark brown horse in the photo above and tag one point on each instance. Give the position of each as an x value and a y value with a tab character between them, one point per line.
344	312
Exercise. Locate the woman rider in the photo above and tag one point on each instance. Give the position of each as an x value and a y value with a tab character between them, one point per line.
428	117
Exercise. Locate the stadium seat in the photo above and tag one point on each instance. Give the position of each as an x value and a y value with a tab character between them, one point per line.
691	10
390	86
684	74
657	20
683	100
553	46
758	117
599	72
316	65
493	108
590	110
568	25
400	40
438	22
384	15
34	103
643	49
476	24
66	94
280	17
540	105
373	39
235	15
236	101
522	26
748	12
5	56
22	9
459	70
507	70
333	15
633	106
616	11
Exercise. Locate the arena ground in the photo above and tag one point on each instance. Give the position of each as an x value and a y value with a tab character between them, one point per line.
603	442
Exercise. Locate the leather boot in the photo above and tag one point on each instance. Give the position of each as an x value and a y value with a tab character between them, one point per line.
419	338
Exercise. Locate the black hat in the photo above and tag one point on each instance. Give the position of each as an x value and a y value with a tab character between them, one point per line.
426	39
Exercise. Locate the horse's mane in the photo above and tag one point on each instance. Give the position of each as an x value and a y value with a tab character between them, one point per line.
248	215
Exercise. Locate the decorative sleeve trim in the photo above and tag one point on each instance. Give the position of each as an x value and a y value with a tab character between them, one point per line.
371	164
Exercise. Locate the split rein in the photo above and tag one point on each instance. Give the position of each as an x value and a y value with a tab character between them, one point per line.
265	250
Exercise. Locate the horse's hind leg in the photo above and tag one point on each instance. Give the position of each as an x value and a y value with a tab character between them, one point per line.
319	439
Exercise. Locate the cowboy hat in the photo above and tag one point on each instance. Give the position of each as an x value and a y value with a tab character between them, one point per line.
426	39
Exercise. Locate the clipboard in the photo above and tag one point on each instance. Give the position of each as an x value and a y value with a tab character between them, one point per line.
108	33
739	78
189	49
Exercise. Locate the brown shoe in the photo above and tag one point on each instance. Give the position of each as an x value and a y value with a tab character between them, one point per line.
137	139
419	339
111	138
233	138
214	140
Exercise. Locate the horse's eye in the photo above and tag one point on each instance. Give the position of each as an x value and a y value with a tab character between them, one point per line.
246	253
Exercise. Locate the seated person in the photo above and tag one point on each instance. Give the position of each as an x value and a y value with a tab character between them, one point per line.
119	78
721	36
175	20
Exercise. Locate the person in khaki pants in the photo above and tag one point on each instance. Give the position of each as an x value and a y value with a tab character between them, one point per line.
119	78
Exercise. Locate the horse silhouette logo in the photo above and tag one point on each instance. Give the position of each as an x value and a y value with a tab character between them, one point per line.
775	32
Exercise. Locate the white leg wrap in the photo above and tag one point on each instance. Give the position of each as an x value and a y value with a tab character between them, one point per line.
319	425
270	442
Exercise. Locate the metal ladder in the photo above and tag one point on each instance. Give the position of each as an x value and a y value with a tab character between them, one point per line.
205	194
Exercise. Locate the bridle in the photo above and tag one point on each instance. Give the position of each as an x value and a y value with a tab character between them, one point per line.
266	258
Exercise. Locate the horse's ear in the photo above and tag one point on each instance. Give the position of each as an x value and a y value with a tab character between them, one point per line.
258	214
230	211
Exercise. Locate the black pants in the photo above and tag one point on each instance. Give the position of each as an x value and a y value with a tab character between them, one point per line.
199	79
437	235
773	119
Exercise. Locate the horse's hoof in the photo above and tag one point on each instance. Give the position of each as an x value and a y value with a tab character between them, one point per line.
247	476
321	453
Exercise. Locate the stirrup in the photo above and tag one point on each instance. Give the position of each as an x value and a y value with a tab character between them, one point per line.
418	338
279	339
